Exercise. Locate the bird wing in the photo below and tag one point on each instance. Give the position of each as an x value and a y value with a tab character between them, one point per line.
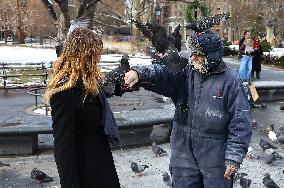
207	22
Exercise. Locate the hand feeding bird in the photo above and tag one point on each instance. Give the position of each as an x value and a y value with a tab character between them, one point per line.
39	176
157	150
167	179
138	169
266	145
268	182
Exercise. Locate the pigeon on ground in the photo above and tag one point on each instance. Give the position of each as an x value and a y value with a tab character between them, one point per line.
138	169
268	182
3	164
282	107
269	128
263	105
266	145
157	150
244	182
270	159
238	175
254	124
280	134
251	153
272	136
39	176
167	179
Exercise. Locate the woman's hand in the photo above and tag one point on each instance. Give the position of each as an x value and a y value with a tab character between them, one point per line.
131	78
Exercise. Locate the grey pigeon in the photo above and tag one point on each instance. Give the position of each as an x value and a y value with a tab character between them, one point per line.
138	169
268	182
157	150
238	176
280	135
254	124
270	159
40	177
266	145
263	105
167	179
3	164
207	22
244	182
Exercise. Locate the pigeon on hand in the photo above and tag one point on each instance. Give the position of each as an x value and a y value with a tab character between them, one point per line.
167	179
266	145
138	169
39	176
244	182
280	134
157	150
268	182
3	164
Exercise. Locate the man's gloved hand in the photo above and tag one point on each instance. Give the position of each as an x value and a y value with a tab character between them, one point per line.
231	168
131	78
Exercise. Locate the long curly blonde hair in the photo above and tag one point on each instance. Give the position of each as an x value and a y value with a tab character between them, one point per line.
79	61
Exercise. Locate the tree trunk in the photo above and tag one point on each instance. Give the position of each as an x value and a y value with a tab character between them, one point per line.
20	24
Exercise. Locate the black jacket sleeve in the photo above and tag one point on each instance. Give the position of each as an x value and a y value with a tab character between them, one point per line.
64	123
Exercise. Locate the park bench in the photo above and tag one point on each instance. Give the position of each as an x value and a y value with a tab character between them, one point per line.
10	71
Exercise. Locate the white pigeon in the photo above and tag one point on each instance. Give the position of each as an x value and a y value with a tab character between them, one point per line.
272	136
251	153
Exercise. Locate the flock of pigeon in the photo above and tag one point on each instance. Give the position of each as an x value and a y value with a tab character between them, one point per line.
268	148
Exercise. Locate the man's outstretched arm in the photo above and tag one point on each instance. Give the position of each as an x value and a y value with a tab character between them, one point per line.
156	78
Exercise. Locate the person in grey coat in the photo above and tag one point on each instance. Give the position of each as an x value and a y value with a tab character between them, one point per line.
211	128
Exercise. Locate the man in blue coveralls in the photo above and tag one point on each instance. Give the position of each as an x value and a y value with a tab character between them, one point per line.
211	128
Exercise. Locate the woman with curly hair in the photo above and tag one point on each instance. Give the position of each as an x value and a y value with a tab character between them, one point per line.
83	123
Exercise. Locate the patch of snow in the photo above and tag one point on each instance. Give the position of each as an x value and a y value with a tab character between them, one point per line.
272	83
234	47
277	52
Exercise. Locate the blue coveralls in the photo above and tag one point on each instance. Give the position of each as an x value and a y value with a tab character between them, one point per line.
211	122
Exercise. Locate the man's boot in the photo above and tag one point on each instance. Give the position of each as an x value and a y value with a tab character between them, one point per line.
258	75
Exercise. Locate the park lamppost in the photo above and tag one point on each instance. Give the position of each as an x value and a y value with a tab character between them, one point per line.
158	12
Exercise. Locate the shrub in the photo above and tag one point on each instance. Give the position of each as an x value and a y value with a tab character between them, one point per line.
266	46
226	43
229	52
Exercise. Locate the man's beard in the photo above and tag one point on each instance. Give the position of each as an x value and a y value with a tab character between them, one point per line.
199	66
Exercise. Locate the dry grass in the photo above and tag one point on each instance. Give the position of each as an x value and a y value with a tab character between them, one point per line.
132	47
